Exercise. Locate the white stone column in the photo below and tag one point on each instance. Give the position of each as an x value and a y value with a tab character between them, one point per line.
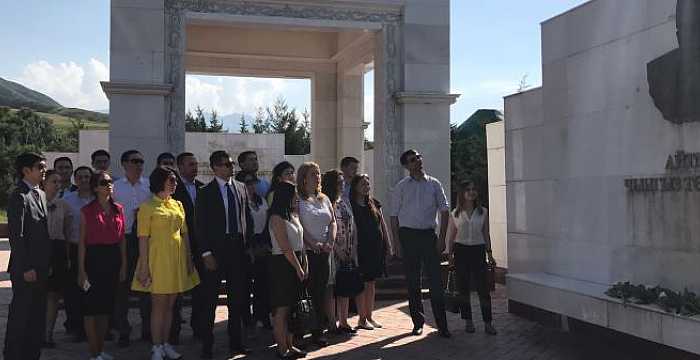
350	132
324	143
425	99
137	88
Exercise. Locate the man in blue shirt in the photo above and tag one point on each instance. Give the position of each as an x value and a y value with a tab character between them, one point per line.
248	161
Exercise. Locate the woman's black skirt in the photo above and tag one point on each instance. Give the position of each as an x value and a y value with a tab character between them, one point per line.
284	285
102	263
59	266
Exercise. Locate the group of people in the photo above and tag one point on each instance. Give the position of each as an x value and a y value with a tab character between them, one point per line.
83	236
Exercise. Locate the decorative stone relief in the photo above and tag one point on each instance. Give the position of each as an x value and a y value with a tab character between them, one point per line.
390	20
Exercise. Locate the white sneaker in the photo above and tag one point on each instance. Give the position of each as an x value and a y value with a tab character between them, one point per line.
170	352
106	356
157	352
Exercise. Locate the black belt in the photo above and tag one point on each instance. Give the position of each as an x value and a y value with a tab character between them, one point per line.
417	230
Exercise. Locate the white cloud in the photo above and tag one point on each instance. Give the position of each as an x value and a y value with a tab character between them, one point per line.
71	84
229	95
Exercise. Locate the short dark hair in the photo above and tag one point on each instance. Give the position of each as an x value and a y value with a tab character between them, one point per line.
158	177
405	155
244	156
329	184
181	157
80	168
163	156
62	158
100	152
217	156
348	160
127	154
26	160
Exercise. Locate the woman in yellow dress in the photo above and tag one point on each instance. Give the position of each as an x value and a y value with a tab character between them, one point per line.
164	266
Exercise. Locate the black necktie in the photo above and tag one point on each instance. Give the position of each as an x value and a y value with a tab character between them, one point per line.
232	218
35	193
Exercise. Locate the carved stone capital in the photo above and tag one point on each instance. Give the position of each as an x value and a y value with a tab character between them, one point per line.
425	97
135	88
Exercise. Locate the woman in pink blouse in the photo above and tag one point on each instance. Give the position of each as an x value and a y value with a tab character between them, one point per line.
101	260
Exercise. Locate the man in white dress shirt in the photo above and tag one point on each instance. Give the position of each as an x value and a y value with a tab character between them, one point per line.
131	191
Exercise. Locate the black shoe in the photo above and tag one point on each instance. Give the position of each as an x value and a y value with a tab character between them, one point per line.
240	350
207	354
444	333
297	352
346	330
417	330
320	341
123	341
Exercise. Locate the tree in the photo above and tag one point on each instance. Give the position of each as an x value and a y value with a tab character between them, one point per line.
197	122
244	125
260	125
20	131
215	125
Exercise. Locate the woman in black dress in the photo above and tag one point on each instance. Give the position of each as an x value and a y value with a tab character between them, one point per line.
373	245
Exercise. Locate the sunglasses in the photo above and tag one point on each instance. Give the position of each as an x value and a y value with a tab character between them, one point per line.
228	164
415	158
105	182
136	161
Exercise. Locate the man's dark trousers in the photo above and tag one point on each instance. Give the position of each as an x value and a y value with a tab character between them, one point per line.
121	308
231	267
26	320
420	252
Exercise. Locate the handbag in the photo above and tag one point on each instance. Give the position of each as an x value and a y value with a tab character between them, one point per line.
491	277
302	317
348	280
453	298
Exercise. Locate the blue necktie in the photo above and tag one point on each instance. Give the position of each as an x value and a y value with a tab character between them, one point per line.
232	218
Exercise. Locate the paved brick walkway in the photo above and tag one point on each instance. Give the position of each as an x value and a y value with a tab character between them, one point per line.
517	339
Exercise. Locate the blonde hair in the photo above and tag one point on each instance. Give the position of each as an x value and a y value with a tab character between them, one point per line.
302	173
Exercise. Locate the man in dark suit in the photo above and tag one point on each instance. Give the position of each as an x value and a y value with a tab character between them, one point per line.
222	223
29	260
186	193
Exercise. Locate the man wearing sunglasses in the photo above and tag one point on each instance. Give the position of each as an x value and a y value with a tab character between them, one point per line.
130	191
222	223
415	202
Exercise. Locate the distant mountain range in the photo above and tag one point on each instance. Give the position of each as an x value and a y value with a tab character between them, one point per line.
18	96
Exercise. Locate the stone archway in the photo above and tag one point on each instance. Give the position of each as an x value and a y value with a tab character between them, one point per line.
410	53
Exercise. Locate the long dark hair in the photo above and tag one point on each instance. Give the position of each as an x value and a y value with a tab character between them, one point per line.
277	174
370	202
250	179
282	201
94	183
460	197
329	184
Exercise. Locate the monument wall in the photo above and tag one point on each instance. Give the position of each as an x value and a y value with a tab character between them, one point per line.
576	146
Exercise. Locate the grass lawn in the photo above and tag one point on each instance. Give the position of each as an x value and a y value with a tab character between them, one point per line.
65	122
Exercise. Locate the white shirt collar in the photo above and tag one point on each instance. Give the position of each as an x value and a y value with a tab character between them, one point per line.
30	186
222	182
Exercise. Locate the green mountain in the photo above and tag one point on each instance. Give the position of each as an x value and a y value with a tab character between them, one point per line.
16	96
474	125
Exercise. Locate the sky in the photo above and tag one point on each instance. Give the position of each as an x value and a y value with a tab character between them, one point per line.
62	50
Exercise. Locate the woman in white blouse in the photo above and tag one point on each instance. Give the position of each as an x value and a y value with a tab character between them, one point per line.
259	251
318	219
469	245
